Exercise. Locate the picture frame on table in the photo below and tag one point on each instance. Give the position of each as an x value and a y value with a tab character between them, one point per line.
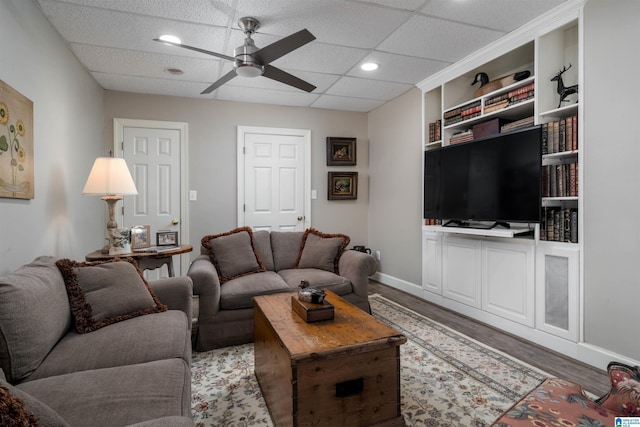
342	185
341	151
167	238
140	236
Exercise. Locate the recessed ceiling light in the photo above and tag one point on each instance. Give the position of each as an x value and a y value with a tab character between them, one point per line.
369	66
169	38
174	71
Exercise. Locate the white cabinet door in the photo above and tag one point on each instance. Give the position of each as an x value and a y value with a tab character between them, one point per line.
461	270
557	287
432	262
508	288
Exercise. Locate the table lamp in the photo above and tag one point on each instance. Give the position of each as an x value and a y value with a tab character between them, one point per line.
110	178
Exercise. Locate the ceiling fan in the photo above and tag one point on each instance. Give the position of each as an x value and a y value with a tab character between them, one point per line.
249	61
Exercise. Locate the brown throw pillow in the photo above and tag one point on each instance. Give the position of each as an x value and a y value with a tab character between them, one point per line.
13	412
624	395
320	250
233	253
105	292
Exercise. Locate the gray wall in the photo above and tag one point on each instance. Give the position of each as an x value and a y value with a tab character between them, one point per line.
67	106
395	166
212	155
612	150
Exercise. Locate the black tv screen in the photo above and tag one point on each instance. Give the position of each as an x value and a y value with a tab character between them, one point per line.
497	178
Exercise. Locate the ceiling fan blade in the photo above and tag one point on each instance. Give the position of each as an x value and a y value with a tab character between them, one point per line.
283	46
222	80
197	49
283	77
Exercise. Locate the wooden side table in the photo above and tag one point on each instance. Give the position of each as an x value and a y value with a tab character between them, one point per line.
146	260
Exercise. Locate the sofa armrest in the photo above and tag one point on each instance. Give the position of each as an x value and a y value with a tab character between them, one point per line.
175	292
206	285
357	267
170	421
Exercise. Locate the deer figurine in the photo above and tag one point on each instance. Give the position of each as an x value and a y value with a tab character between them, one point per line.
562	90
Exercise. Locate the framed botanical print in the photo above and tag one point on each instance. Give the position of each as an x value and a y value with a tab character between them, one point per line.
343	186
341	151
140	237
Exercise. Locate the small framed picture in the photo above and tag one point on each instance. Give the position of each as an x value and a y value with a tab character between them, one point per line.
167	238
140	237
343	186
341	151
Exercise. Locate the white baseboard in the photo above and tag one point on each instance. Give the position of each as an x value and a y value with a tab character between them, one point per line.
581	351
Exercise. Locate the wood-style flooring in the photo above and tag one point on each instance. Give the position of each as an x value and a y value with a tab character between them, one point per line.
593	380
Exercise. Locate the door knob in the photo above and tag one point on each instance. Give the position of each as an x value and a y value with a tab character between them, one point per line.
300	218
175	222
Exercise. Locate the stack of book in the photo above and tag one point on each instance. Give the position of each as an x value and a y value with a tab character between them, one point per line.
460	114
559	224
560	135
464	136
435	131
560	180
518	124
504	100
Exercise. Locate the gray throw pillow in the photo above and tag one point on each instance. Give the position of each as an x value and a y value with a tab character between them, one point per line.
105	292
233	253
21	409
320	250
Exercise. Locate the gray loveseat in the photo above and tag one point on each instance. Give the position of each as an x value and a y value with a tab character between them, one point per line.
122	370
238	265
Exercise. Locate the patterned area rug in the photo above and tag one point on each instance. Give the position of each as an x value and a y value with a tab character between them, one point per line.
447	379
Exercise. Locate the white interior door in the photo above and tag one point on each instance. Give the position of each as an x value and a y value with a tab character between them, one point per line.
154	156
273	178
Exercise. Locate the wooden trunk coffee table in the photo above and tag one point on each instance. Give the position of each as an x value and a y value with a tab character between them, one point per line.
339	372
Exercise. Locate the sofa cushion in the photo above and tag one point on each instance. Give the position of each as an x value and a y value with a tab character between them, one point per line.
624	395
21	409
318	279
262	238
238	293
105	292
141	339
285	246
34	315
233	253
320	250
117	396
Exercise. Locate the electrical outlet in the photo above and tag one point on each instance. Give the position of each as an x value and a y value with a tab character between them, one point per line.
378	255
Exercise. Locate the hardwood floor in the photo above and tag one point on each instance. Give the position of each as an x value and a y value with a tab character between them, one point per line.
593	380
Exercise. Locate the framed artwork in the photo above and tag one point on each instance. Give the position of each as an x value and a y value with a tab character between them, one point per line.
16	144
343	186
167	238
140	237
341	151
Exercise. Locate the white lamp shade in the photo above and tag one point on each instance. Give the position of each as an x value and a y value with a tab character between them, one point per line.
109	175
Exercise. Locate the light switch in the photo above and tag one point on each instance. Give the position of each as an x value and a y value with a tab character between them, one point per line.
193	195
314	194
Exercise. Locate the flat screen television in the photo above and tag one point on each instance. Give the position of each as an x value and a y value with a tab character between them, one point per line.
497	178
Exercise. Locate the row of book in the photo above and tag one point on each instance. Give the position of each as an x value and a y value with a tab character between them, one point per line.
435	131
560	180
431	221
507	99
559	224
460	114
560	135
463	136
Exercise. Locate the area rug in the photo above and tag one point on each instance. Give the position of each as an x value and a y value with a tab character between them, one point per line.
447	379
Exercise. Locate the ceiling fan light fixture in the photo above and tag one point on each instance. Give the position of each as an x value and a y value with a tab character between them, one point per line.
169	38
249	70
369	66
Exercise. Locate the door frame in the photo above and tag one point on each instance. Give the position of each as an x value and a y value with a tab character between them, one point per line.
183	128
304	133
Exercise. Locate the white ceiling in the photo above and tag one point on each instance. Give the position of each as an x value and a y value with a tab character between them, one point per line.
409	39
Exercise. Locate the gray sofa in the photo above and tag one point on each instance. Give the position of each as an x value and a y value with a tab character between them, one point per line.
120	371
226	310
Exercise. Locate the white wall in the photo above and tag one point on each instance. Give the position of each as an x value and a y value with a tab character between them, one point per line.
67	105
395	200
612	176
212	155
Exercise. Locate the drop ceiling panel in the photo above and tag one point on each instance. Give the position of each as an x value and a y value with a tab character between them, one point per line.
409	39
